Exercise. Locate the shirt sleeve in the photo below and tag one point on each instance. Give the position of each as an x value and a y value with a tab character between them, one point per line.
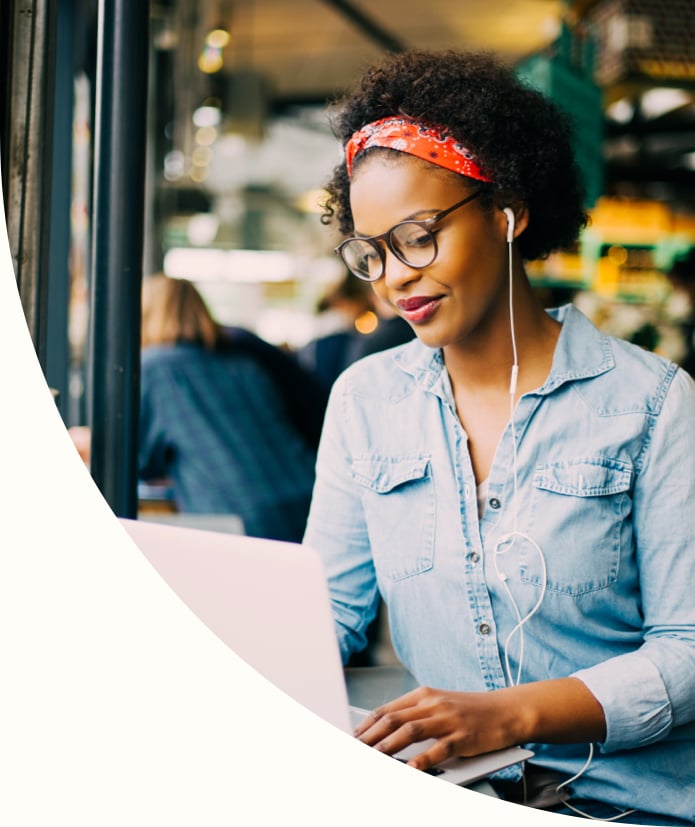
336	528
645	694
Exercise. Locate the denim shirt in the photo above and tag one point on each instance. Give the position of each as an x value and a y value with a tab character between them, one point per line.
589	542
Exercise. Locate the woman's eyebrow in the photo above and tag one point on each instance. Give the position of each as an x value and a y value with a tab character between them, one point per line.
418	215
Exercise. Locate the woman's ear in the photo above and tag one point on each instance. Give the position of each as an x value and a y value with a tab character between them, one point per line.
511	223
516	221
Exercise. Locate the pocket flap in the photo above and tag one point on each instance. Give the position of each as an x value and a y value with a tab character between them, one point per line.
586	477
383	475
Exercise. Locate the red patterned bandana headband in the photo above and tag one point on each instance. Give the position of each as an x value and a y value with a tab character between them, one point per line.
430	143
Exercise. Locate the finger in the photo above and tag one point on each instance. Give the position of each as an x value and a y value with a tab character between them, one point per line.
404	702
365	724
440	751
398	730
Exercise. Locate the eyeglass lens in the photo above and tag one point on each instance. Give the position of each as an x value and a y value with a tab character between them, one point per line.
412	243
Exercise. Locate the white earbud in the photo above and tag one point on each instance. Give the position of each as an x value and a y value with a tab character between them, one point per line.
511	222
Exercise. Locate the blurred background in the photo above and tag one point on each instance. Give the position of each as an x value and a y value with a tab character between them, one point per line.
222	142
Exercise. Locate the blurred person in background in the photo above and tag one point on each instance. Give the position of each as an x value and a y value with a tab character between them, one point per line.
358	323
213	421
227	420
303	394
338	316
390	331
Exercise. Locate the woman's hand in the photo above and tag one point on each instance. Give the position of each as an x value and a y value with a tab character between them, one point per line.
472	723
463	723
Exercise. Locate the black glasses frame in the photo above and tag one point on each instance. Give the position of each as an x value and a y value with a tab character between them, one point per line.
426	224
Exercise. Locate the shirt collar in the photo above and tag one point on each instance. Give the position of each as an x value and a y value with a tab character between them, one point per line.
582	352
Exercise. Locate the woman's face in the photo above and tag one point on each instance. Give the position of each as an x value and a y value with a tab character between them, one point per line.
461	298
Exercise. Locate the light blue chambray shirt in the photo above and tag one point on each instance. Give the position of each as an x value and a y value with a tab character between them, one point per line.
605	493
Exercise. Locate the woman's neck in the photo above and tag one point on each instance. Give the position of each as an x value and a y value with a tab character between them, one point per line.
484	364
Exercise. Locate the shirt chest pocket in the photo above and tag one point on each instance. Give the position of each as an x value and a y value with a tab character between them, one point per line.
399	504
582	507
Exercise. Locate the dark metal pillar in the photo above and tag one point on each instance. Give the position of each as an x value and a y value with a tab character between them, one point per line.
117	226
28	109
37	49
52	335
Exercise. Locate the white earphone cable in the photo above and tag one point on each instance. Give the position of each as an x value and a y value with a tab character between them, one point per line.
518	628
579	812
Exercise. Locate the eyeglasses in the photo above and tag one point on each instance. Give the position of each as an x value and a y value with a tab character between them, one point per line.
412	242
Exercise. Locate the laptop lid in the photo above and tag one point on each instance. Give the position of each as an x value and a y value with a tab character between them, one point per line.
268	601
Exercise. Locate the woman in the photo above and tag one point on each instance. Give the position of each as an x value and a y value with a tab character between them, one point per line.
213	419
513	483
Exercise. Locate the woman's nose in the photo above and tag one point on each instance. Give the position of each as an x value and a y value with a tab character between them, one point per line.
396	272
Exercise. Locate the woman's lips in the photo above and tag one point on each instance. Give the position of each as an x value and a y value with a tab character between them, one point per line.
418	308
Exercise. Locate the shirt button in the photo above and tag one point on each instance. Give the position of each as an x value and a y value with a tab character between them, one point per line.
495	503
467	491
484	629
474	557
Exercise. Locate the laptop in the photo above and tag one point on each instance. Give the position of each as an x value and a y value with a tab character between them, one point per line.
268	601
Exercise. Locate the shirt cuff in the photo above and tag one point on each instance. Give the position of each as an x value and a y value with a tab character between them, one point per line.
634	699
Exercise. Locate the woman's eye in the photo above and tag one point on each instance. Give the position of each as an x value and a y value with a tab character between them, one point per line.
413	237
418	238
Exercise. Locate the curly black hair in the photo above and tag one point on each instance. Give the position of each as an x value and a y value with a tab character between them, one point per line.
520	137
